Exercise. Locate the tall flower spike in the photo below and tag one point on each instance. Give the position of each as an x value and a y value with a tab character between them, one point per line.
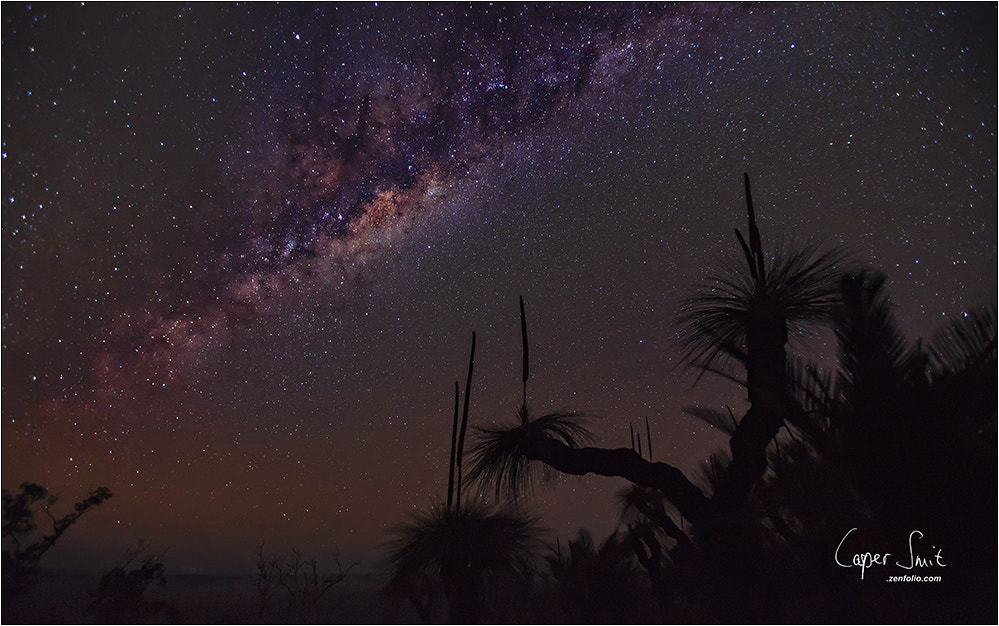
454	445
464	418
526	371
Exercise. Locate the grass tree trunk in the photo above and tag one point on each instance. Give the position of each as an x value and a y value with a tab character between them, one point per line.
766	333
463	591
770	404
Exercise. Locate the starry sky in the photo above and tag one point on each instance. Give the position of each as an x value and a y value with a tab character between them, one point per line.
245	246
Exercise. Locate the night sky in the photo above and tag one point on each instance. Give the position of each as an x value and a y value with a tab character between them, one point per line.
245	247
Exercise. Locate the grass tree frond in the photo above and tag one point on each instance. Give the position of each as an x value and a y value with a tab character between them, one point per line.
633	499
498	460
800	287
723	421
806	279
711	470
819	395
873	349
568	426
815	390
965	342
473	535
498	454
630	500
711	321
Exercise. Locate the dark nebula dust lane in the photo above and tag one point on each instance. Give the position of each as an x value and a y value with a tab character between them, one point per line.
244	247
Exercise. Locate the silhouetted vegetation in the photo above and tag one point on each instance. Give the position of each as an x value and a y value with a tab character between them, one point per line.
29	537
457	554
453	551
297	581
898	443
120	594
601	584
891	449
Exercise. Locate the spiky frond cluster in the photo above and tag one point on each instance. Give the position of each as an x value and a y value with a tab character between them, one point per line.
472	537
815	390
630	498
651	516
965	342
499	457
872	345
613	560
602	583
711	471
799	288
819	394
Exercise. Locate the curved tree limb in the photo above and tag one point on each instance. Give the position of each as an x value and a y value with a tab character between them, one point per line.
624	463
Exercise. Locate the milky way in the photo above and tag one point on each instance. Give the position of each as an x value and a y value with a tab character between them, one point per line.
245	246
365	115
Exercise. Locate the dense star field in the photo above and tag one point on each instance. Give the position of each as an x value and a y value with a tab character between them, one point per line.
245	247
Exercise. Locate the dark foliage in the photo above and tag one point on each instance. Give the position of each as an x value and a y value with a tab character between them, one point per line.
601	584
28	542
295	583
453	550
499	452
899	441
120	594
456	551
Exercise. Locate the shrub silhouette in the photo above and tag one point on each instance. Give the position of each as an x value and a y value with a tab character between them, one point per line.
120	594
296	578
28	542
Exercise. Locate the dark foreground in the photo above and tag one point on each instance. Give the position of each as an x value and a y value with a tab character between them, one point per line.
63	598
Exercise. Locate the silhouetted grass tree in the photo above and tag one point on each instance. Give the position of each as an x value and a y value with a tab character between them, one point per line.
848	443
461	548
504	456
28	541
745	315
454	549
899	438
